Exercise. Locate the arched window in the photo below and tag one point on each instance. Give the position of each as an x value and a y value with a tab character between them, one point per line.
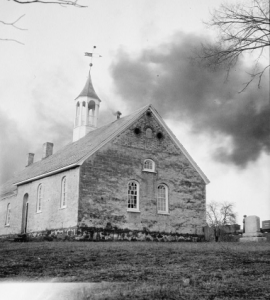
39	197
149	133
149	165
83	116
63	192
91	112
133	196
162	199
7	215
77	114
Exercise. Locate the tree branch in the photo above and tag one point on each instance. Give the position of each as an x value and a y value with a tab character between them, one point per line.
13	24
59	2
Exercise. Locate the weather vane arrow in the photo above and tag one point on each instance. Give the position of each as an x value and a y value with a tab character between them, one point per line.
92	54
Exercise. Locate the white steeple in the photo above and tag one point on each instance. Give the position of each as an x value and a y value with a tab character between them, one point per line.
86	110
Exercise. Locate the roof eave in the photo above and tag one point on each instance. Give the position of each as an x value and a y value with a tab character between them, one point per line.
46	174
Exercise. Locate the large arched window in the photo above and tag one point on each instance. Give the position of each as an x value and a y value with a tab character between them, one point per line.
39	197
149	165
133	196
7	215
63	192
162	199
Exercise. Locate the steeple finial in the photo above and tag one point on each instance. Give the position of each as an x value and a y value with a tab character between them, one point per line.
92	54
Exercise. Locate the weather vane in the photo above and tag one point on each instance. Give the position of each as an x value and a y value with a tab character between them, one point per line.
92	54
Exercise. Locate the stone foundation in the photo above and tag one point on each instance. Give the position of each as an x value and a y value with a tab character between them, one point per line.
100	234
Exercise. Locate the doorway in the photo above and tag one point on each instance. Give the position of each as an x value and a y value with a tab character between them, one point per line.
25	213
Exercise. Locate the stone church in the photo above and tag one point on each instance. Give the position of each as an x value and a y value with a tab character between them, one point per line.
131	177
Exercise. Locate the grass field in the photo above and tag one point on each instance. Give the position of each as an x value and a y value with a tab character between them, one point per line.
135	270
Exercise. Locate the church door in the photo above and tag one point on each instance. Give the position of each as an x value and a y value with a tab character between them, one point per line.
24	214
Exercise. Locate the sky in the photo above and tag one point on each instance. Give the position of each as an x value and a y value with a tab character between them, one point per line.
146	49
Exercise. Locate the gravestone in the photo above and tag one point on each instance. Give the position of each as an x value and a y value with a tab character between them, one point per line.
252	230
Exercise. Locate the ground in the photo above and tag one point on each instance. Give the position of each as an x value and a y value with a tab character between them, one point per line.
137	270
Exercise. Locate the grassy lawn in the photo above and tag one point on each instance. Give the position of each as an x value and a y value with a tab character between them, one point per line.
137	270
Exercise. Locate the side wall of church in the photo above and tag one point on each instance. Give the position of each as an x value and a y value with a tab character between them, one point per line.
105	176
51	216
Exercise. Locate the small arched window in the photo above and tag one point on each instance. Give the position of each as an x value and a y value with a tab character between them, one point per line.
77	114
63	193
149	133
162	199
149	165
133	196
39	197
7	215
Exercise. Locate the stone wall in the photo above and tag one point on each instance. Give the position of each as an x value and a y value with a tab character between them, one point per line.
51	215
105	175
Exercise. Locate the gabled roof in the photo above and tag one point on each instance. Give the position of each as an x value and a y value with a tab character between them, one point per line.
76	153
88	90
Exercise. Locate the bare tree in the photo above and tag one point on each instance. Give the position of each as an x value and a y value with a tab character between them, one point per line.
243	28
58	2
219	214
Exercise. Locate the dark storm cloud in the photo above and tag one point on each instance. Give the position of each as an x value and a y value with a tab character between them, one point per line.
45	125
180	88
13	147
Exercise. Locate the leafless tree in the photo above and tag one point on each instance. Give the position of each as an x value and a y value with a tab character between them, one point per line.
59	2
219	214
14	24
242	28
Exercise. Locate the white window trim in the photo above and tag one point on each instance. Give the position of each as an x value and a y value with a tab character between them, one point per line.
166	212
40	197
61	200
153	170
137	209
7	221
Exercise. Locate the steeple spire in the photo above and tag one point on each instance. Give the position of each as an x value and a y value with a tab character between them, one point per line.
86	110
88	90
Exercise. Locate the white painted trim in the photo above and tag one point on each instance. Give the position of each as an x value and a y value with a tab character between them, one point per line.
46	174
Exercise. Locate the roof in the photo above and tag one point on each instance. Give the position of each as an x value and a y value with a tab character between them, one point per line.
74	154
88	90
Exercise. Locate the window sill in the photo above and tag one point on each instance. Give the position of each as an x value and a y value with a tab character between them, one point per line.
63	207
7	225
163	213
133	210
149	171
39	212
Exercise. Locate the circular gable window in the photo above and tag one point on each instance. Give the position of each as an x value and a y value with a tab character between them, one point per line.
137	130
160	135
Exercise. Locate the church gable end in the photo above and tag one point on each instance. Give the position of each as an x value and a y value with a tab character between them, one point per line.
147	134
142	164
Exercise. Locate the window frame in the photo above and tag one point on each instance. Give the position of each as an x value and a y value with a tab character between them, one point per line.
39	198
8	212
63	192
137	209
153	170
166	211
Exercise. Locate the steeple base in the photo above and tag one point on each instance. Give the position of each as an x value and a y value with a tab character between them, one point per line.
81	131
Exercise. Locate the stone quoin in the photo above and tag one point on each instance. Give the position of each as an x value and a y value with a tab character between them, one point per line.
130	179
